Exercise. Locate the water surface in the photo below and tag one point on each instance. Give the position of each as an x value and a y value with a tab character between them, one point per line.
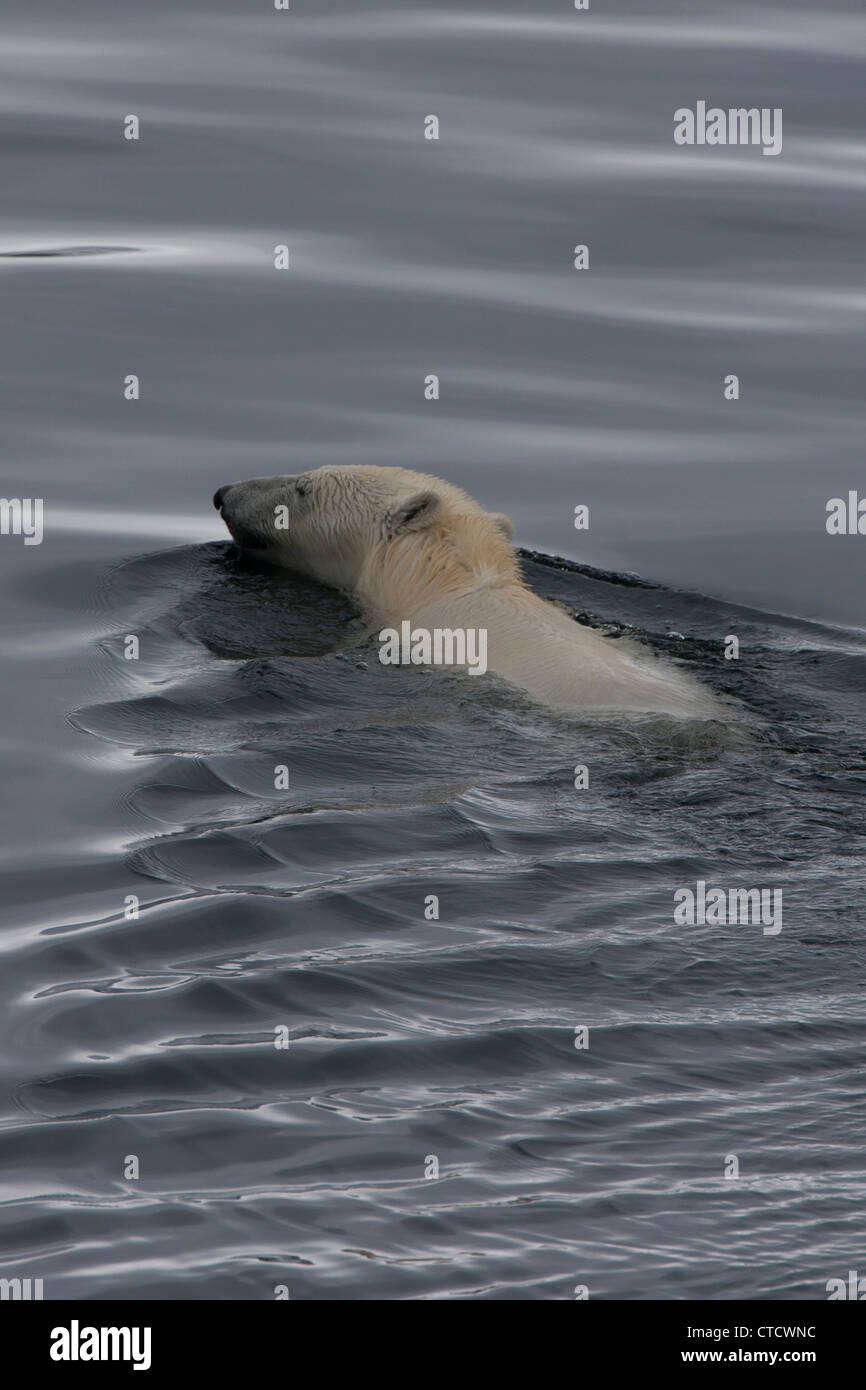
305	907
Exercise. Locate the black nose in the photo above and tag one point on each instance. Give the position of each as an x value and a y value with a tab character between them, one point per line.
219	496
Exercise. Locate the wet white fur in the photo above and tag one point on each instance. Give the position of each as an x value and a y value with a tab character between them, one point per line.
409	546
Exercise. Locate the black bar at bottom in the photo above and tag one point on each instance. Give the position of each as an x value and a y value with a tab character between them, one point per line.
227	1339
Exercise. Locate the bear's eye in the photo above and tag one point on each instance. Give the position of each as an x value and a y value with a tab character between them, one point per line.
302	487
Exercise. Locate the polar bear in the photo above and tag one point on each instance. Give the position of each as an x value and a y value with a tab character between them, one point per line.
410	548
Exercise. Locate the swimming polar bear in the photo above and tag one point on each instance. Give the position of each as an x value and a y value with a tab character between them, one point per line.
410	548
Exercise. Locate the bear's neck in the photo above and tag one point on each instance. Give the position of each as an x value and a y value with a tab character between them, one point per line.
403	577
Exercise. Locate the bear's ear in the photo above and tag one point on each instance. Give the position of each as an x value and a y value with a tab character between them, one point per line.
413	513
503	523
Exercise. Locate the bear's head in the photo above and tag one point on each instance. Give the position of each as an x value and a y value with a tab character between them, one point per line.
386	535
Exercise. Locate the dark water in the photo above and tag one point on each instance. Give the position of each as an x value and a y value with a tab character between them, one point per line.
305	907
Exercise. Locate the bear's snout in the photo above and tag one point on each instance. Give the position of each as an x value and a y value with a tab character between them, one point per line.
246	520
